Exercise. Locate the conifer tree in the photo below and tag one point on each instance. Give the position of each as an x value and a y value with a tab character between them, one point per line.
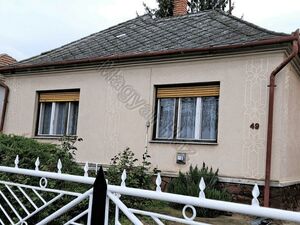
165	7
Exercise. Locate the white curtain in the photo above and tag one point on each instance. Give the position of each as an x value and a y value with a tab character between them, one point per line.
187	118
45	118
60	118
209	118
2	94
166	118
72	124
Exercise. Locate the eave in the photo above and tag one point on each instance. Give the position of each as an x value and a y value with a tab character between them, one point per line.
269	43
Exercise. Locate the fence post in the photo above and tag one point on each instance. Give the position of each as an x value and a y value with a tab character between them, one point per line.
99	199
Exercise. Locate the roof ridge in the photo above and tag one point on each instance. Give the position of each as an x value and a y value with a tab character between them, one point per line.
250	24
79	40
225	14
4	54
181	16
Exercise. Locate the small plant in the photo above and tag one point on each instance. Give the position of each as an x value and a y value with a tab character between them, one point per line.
188	184
138	175
67	143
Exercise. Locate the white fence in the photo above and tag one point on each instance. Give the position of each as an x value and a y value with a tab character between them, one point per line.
16	211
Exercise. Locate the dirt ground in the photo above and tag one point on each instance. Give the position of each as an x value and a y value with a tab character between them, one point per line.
236	219
233	219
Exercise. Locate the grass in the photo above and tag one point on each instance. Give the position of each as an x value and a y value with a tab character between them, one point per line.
164	208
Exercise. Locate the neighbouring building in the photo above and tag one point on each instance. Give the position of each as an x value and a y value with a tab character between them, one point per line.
5	60
191	88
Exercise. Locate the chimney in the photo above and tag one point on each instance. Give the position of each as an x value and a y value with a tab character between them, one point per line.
180	7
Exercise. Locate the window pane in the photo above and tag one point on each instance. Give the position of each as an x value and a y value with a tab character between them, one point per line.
209	118
60	118
45	117
166	118
2	95
187	117
72	124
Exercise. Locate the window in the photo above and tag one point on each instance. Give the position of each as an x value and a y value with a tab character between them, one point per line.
188	113
58	113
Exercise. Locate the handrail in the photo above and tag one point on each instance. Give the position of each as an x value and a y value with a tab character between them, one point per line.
50	175
209	203
114	192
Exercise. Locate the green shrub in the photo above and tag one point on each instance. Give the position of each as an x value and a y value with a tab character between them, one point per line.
188	184
138	175
28	151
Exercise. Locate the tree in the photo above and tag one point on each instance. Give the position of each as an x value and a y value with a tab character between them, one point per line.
200	5
165	7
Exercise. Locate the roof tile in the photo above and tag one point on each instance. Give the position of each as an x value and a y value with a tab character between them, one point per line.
145	34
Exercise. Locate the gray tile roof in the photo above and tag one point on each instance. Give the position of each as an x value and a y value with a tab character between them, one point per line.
145	34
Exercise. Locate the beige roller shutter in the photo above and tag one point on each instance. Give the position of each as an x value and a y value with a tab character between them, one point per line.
59	97
190	91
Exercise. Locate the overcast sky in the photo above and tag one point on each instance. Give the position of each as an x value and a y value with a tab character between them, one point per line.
30	27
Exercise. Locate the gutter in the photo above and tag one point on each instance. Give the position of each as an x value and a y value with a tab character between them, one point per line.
294	53
132	56
6	92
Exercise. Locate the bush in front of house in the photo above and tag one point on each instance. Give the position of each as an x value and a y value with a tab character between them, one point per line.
138	175
188	184
28	151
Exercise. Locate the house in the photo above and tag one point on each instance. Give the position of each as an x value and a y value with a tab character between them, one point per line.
191	88
5	60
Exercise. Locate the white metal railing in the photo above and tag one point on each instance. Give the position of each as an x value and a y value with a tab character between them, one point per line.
21	206
191	202
114	195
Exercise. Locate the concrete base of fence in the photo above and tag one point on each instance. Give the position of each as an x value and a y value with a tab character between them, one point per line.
287	197
280	197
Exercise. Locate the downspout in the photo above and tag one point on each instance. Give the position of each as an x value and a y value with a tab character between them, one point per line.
5	100
295	51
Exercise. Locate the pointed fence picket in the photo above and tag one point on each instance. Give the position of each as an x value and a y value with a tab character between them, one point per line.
114	194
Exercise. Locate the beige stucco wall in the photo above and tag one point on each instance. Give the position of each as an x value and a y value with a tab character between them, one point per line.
108	122
290	148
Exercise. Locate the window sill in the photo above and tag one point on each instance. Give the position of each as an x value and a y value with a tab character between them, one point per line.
182	142
47	137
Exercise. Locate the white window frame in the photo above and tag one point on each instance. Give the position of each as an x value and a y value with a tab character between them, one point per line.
41	118
68	117
178	119
157	119
52	120
198	122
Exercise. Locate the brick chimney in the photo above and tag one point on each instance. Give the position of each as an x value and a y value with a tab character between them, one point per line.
180	7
